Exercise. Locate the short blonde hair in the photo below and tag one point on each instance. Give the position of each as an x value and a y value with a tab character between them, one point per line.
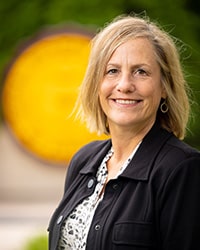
105	43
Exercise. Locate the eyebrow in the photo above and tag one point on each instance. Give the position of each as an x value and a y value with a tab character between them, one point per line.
133	66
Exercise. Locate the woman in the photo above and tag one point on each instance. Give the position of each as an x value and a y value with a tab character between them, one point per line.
141	188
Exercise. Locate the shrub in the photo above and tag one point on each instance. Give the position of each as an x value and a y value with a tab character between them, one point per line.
39	242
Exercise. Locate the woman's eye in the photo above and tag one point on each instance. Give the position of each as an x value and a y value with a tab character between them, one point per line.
140	72
112	71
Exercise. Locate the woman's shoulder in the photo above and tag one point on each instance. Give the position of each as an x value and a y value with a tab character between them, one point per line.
177	160
176	155
87	152
181	148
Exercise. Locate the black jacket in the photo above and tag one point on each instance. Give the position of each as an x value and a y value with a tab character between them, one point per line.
154	203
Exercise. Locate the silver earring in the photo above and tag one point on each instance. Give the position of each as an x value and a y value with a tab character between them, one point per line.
164	107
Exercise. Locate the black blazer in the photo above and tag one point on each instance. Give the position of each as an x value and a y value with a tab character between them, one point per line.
153	204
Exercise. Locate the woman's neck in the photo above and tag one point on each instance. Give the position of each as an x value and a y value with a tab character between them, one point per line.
125	141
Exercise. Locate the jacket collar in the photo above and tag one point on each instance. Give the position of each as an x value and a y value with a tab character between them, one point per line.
141	164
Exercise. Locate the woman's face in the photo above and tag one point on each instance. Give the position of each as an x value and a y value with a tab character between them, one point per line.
131	89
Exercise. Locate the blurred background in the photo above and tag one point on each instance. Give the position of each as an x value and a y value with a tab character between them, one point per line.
44	47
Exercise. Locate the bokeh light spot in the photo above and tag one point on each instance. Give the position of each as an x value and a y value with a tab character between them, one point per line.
40	89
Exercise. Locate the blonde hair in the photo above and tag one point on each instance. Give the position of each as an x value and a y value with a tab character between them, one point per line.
105	43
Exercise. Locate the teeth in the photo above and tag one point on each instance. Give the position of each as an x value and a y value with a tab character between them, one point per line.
125	101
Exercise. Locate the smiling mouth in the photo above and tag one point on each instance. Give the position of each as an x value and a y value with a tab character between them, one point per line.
125	101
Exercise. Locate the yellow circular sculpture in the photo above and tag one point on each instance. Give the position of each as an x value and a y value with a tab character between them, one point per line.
40	89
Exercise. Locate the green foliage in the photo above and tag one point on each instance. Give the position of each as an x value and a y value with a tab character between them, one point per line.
37	243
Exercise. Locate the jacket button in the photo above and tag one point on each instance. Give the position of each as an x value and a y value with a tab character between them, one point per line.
90	183
115	186
97	227
59	219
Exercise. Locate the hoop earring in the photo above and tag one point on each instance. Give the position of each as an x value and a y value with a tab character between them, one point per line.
164	107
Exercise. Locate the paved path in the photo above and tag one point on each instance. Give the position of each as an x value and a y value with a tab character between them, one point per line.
29	193
20	222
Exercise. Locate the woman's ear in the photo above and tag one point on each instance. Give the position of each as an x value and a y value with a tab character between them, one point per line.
164	93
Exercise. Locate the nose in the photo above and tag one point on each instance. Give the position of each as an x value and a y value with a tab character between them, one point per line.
125	83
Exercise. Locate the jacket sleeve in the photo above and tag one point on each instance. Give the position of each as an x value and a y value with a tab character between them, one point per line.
179	207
